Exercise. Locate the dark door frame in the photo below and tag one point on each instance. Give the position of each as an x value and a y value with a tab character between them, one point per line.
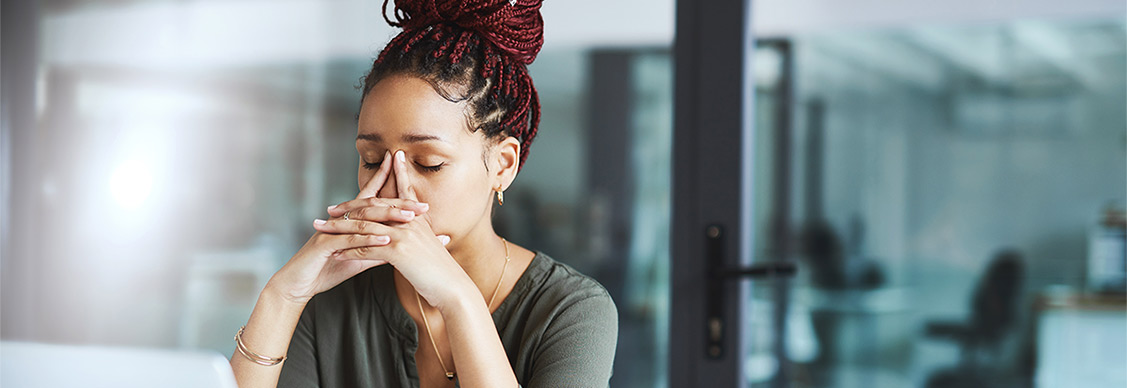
712	191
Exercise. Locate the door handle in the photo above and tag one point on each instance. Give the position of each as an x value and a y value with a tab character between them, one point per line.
718	276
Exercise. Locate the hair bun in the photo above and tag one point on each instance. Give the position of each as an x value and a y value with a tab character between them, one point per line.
513	26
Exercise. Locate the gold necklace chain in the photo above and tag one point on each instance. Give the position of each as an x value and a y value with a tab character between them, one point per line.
449	374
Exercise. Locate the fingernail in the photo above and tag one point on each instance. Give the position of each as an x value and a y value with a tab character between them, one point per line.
318	222
424	205
383	239
399	155
444	239
407	213
332	207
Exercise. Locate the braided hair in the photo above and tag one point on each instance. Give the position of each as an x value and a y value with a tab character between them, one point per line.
476	51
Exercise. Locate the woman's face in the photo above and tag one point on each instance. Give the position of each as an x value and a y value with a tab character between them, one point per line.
446	161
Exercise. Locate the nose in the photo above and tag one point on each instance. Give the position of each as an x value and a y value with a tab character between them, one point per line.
389	189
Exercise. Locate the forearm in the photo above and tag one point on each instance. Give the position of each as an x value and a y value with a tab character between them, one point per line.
268	332
478	354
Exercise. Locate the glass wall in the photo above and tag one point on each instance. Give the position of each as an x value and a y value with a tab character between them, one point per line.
179	152
957	204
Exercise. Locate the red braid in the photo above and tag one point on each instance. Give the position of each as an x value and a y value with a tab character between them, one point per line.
491	39
514	28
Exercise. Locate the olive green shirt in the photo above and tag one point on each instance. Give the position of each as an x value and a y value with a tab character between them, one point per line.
558	326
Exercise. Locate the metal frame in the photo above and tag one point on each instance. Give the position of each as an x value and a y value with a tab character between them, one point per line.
780	228
712	182
20	180
609	107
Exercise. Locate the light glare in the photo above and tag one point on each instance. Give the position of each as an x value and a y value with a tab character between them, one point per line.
131	183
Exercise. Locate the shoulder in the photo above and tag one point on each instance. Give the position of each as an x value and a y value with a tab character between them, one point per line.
561	296
570	331
566	285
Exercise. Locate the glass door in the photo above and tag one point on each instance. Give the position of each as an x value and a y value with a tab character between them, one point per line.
951	195
949	199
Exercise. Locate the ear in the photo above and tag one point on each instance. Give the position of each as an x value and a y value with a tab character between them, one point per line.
507	156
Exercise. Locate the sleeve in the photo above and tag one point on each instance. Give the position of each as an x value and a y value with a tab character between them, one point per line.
300	368
577	348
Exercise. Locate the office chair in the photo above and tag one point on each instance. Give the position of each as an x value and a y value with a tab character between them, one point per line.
993	321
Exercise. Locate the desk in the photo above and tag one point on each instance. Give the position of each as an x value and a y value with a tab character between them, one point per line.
1081	341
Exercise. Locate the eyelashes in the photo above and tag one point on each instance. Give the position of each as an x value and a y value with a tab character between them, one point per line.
373	166
435	168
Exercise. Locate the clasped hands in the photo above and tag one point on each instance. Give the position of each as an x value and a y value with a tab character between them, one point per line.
394	231
380	218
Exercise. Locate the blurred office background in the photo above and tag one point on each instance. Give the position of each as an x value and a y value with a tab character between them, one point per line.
954	174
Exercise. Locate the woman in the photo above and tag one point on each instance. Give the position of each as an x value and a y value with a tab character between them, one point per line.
408	284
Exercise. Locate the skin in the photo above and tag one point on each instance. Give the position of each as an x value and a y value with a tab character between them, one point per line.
427	184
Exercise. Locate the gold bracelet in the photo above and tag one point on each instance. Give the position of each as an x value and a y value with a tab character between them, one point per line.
255	357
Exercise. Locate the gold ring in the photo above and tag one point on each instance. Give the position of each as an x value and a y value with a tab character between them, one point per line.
346	214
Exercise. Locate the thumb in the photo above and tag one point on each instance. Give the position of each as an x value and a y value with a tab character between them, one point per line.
377	181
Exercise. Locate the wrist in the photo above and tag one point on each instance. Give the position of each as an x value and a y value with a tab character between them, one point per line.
274	295
461	300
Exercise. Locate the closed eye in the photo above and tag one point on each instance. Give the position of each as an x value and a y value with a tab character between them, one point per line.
373	166
434	168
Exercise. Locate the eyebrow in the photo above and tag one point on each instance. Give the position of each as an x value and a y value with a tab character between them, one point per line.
408	138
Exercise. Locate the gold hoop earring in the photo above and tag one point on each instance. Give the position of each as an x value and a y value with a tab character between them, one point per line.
500	197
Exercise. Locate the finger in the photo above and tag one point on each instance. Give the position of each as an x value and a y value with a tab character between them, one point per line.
382	214
402	181
368	253
373	186
341	242
396	203
340	226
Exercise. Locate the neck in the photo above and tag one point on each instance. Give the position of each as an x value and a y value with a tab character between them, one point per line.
480	253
